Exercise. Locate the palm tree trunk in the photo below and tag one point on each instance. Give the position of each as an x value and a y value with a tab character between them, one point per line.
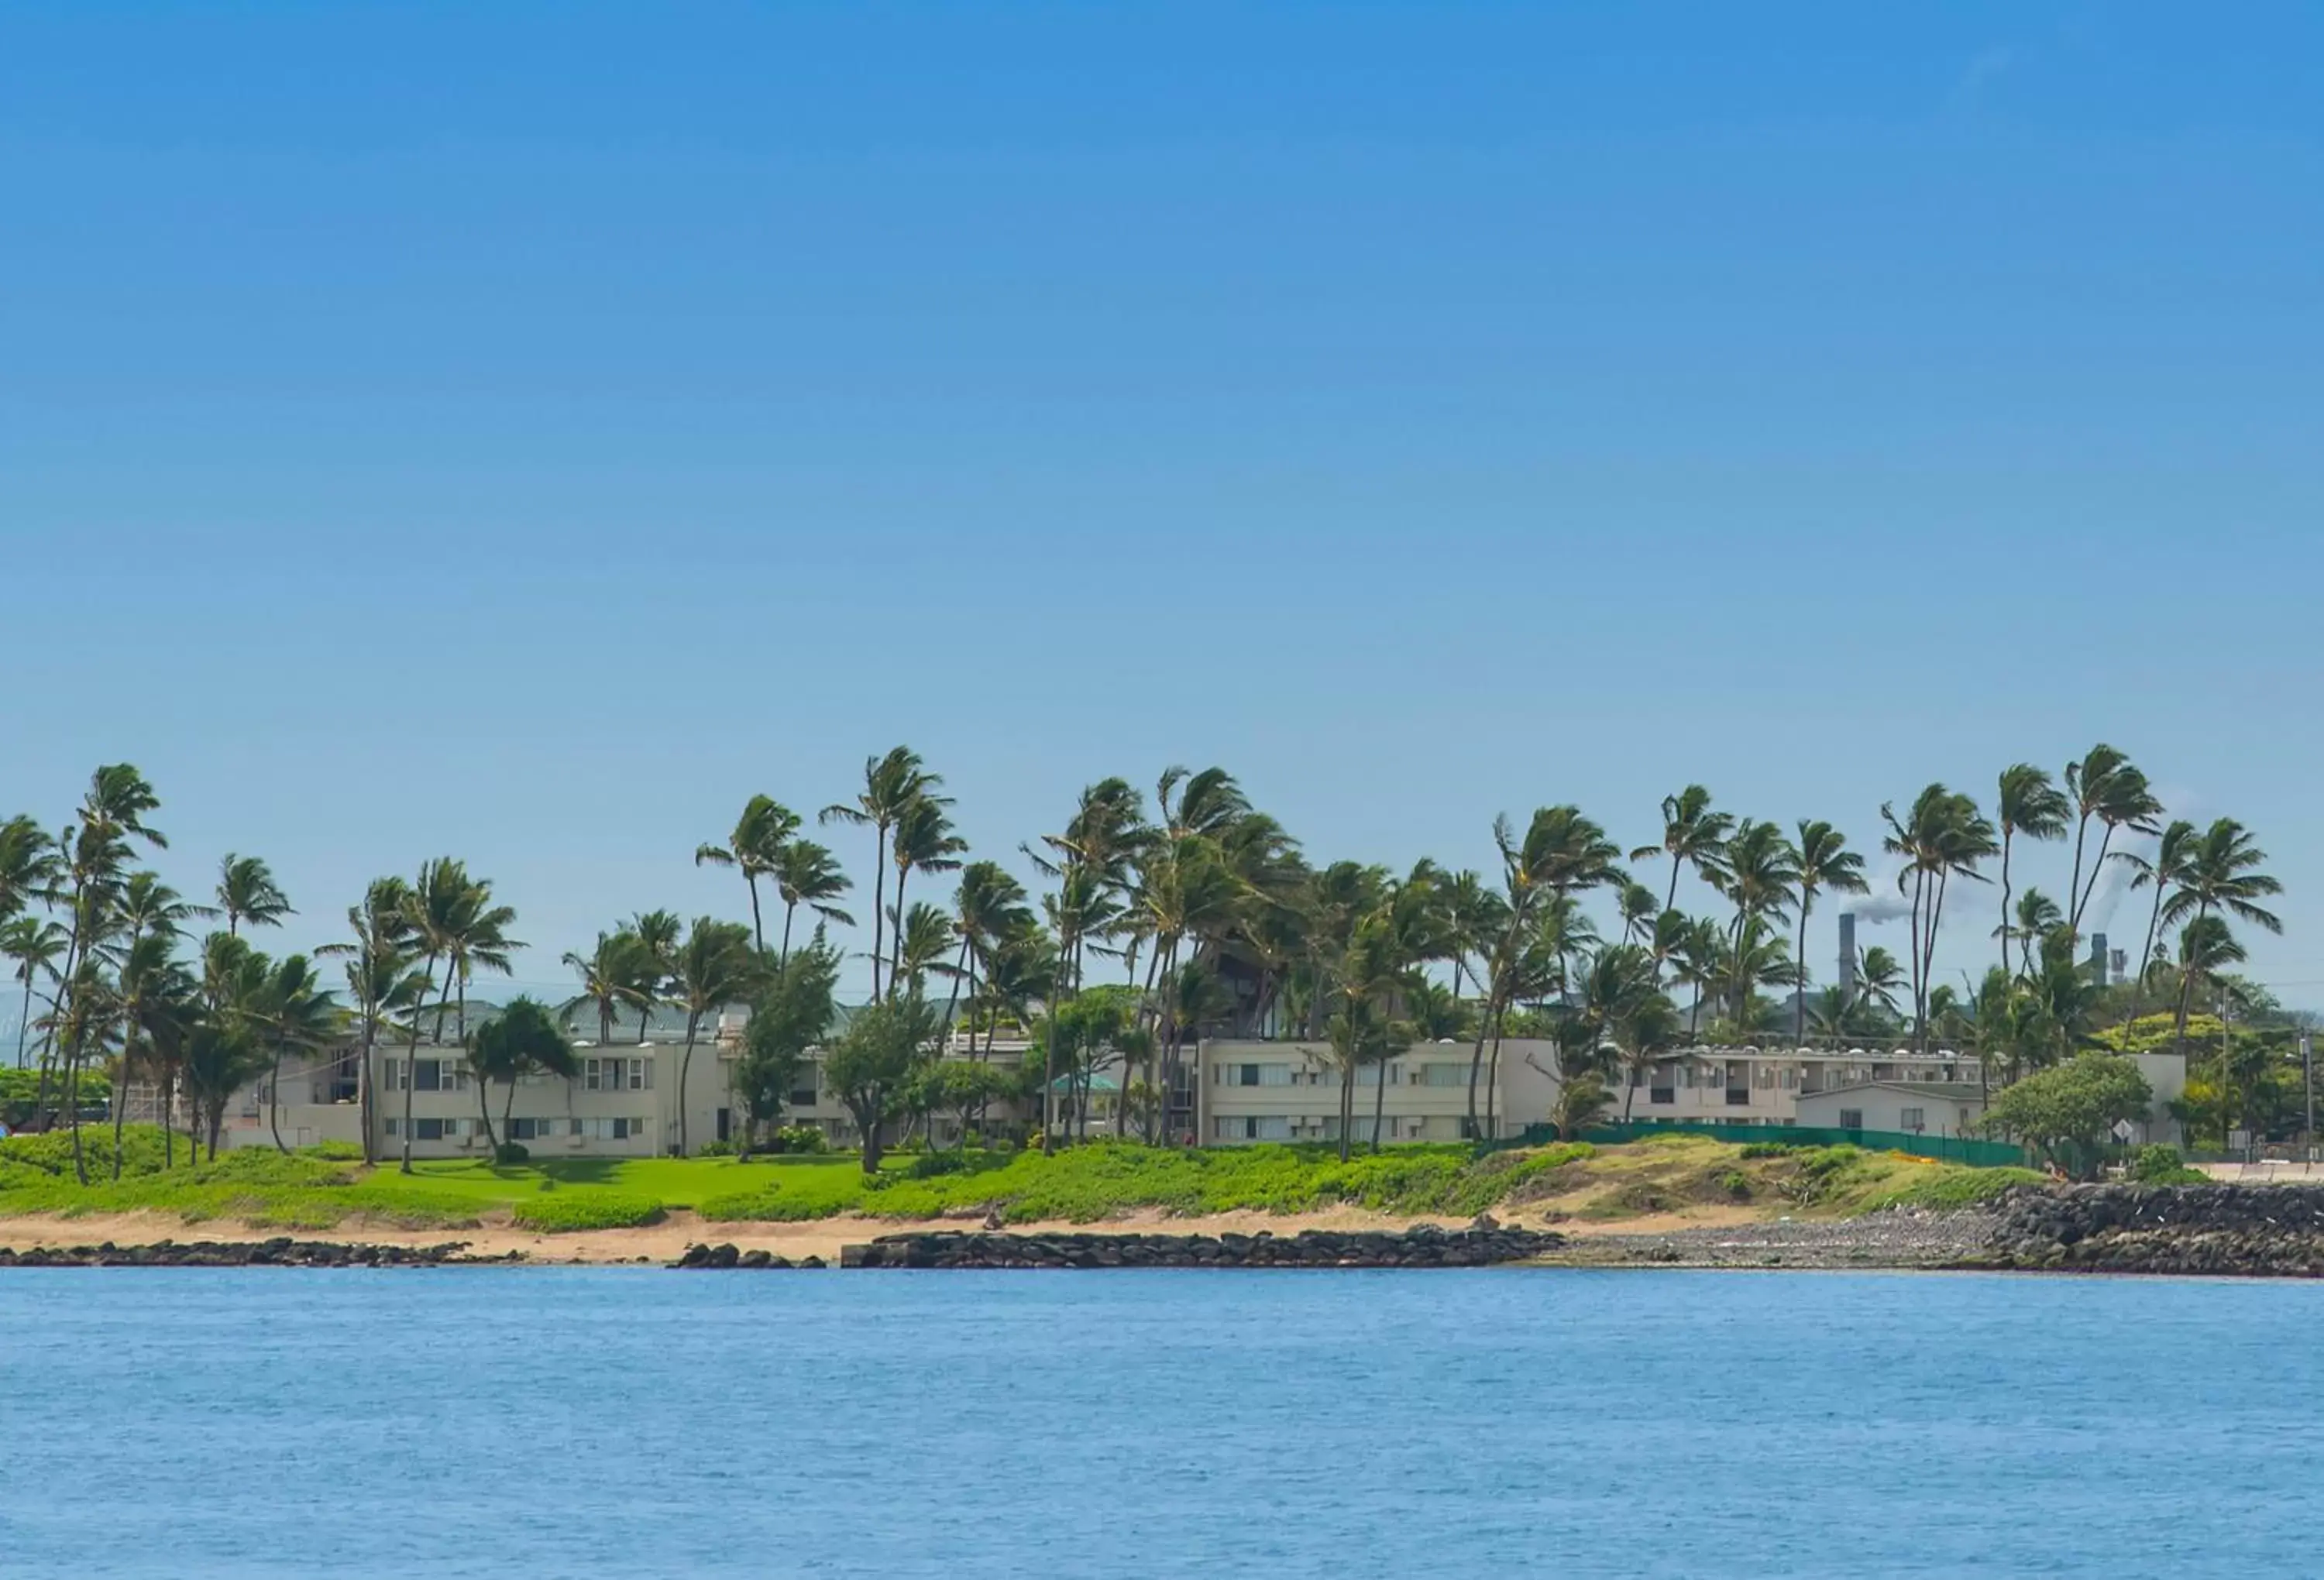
508	1122
952	999
1493	1081
1800	994
879	906
2096	868
2006	832
274	1102
25	1018
485	1107
410	1061
758	933
686	1060
363	1098
1347	1102
1379	1103
2074	884
121	1105
789	907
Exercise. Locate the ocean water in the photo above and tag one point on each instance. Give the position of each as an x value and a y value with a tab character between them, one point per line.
434	1424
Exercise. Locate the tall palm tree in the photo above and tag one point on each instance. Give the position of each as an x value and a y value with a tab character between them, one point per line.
1692	835
381	984
988	904
28	865
1879	978
2163	871
808	874
922	841
610	975
1822	860
716	966
2221	877
2207	948
34	945
247	892
436	909
2106	786
1943	836
2026	803
653	963
755	845
923	938
93	856
295	1015
890	783
2036	918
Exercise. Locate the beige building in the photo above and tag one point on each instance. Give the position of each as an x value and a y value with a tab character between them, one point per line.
1251	1091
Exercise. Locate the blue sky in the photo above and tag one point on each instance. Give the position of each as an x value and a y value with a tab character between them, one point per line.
524	431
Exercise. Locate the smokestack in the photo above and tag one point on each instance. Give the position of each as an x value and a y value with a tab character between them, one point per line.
1848	955
2099	959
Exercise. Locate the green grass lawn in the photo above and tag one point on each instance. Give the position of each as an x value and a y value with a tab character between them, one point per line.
321	1189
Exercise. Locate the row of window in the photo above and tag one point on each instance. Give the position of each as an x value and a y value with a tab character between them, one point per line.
1309	1128
451	1075
1284	1075
619	1128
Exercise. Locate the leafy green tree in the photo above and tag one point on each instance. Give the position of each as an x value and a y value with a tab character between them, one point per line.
872	1066
716	966
2069	1111
523	1039
755	847
791	1013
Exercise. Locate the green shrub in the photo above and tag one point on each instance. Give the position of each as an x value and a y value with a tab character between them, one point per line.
1774	1149
338	1151
1952	1186
572	1211
510	1153
2161	1163
714	1149
801	1138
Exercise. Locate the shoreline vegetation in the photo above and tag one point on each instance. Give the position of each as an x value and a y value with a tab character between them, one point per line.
582	1209
1218	921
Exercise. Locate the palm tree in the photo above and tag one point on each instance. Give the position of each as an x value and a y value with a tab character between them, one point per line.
716	966
521	1040
755	845
653	963
1758	870
923	940
247	892
890	784
1638	905
94	854
380	982
2026	803
2036	917
2163	871
436	909
2221	875
1942	837
987	906
28	865
2207	948
35	945
1822	862
1697	961
1692	835
808	874
610	975
2106	786
301	1017
1879	978
922	841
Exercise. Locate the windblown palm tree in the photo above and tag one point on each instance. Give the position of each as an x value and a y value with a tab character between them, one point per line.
654	962
755	845
2163	871
1822	860
1879	978
1942	837
33	946
611	975
716	966
922	841
381	983
2026	803
2106	786
2207	948
247	892
890	784
2221	875
1692	835
808	874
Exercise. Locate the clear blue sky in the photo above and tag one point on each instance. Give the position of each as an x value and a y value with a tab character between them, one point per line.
522	431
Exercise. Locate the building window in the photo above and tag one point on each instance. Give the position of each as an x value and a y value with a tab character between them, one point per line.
1851	1118
1444	1075
617	1129
1910	1119
1661	1094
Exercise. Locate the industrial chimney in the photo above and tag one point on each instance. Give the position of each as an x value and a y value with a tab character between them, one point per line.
1847	956
2099	958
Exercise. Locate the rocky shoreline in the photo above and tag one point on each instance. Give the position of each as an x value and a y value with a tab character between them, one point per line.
1483	1243
2248	1231
283	1252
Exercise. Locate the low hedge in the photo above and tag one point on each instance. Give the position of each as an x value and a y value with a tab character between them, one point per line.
568	1212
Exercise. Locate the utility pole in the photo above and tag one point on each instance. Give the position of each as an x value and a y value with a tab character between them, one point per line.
2307	1079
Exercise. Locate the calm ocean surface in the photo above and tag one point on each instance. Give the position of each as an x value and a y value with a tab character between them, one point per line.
510	1423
